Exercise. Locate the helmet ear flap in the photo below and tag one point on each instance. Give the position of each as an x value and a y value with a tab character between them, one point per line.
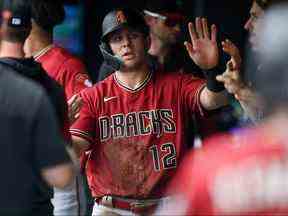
114	61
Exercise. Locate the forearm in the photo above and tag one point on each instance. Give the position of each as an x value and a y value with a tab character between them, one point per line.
79	145
250	103
213	100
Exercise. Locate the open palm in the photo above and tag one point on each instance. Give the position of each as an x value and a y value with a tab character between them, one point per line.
203	48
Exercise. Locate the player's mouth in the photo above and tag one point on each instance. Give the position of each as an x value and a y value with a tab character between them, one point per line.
128	56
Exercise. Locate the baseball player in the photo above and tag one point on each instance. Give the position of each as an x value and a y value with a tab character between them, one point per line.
132	122
67	70
246	174
32	149
62	66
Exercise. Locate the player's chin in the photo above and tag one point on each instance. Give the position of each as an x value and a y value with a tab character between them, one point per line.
131	63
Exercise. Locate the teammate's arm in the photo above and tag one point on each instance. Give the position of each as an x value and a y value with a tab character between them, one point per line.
213	100
83	129
80	145
232	80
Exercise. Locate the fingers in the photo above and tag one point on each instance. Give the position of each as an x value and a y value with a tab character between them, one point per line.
229	48
199	28
74	106
189	48
229	84
230	66
205	28
72	99
192	33
214	33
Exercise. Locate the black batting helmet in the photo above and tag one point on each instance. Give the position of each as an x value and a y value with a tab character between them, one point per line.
124	17
114	21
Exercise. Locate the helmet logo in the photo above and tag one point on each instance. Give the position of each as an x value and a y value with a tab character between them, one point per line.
120	17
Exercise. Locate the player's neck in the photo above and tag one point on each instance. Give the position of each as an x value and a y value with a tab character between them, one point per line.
38	44
158	49
12	50
133	78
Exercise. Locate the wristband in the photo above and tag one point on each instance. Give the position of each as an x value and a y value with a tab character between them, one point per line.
210	75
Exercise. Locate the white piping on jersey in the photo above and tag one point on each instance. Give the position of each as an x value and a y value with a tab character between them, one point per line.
138	87
40	53
82	134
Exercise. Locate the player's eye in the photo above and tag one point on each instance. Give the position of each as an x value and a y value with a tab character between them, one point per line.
134	35
116	38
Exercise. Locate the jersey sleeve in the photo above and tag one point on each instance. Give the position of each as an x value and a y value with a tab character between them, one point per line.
75	78
191	88
85	126
48	144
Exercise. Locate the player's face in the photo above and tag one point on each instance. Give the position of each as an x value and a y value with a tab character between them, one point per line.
130	45
169	30
253	24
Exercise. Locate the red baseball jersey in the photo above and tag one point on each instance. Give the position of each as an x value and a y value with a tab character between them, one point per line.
66	69
136	136
244	174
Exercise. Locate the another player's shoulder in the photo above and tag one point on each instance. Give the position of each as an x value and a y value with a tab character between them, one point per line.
66	58
238	145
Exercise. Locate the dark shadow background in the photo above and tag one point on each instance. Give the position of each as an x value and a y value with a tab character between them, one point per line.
229	16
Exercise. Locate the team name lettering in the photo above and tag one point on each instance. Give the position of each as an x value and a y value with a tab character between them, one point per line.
140	123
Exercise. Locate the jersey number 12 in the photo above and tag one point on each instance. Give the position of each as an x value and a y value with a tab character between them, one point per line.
169	160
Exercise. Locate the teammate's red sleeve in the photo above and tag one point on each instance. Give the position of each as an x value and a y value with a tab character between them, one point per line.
191	88
85	125
74	77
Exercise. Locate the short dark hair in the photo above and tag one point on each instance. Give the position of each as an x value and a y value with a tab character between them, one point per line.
47	13
164	6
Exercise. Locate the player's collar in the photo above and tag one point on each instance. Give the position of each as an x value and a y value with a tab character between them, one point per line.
43	51
138	87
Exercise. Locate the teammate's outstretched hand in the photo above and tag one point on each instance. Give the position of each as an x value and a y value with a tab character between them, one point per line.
232	50
74	106
203	48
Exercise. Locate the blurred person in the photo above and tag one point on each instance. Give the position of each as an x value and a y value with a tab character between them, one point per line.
232	78
133	121
33	148
166	20
12	55
70	73
246	174
61	65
